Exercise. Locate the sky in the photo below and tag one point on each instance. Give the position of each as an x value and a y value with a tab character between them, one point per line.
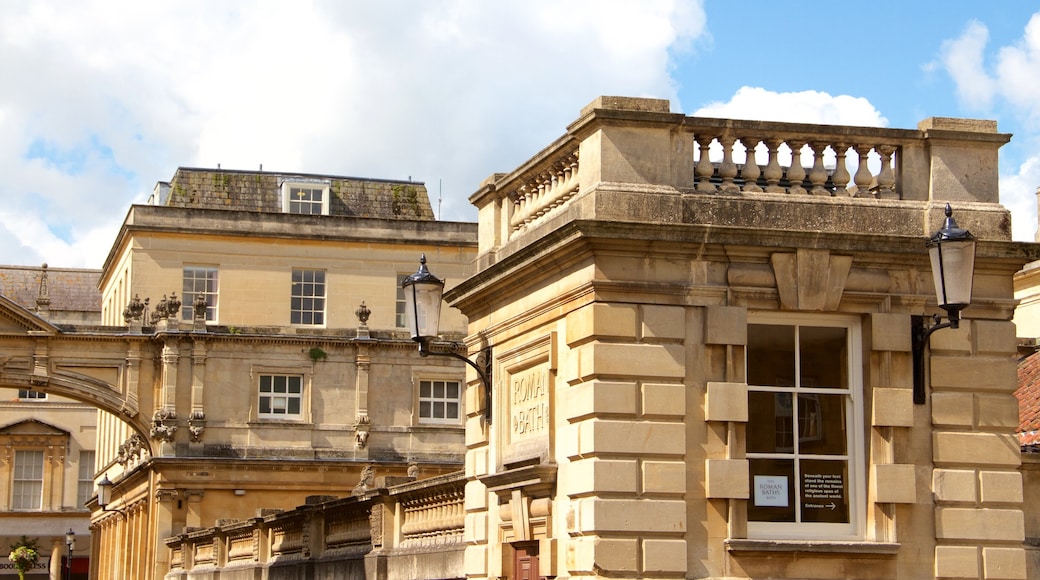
101	99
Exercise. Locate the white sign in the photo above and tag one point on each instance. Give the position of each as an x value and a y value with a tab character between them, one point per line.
771	490
7	566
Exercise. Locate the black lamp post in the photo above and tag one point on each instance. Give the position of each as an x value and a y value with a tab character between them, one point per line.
422	299
104	495
952	254
70	543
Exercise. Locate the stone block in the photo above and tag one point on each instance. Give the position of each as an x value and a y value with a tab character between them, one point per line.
601	320
476	528
956	562
476	434
725	325
726	402
632	516
953	409
995	337
663	556
476	497
1001	486
952	339
1006	525
890	332
976	448
954	485
664	322
476	559
598	398
727	479
1004	563
634	360
477	462
591	555
997	411
664	477
894	483
664	399
893	408
638	438
598	476
975	373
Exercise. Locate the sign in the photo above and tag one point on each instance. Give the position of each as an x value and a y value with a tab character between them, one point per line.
528	404
7	566
823	490
771	491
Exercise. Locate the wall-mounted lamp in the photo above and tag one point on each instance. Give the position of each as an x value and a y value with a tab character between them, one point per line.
422	299
952	253
70	543
104	495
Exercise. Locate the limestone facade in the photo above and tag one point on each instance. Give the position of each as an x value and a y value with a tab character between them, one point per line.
703	367
250	354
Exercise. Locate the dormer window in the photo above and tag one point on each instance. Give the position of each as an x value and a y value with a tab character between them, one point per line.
303	197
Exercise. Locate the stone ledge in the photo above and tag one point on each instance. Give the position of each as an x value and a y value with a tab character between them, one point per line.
815	546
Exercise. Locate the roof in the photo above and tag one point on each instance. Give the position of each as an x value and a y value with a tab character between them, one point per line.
70	289
1028	394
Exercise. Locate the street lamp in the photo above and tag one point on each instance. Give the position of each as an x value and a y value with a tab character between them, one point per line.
952	254
104	495
422	300
70	543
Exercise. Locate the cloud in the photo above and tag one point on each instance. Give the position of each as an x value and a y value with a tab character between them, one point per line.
102	98
797	107
1012	84
962	58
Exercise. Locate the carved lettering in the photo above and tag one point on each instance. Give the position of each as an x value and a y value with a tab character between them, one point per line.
529	408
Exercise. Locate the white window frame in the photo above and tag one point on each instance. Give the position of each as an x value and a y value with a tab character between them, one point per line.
188	294
855	435
27	486
292	189
285	397
296	292
400	316
85	487
433	401
31	395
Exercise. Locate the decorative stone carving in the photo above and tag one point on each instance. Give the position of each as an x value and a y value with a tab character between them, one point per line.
164	425
413	471
810	279
132	448
367	481
361	425
362	314
196	425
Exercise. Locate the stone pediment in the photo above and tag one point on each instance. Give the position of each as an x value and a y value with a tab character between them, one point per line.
31	427
15	319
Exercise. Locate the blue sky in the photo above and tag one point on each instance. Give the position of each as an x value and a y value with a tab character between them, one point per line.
103	98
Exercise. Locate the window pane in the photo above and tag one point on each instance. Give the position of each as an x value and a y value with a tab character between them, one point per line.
265	405
294	406
824	357
770	355
424	409
452	411
772	490
770	427
425	389
821	424
825	491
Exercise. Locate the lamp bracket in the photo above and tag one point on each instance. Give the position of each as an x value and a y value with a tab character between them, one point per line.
921	332
482	365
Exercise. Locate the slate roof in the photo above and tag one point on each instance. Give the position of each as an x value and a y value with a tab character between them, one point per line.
70	289
1028	394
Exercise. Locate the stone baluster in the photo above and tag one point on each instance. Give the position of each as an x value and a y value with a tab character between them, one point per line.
773	173
863	177
704	169
796	173
841	176
750	172
728	169
886	180
818	173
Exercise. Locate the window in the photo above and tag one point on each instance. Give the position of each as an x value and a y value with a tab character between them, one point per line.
305	198
439	401
281	396
199	280
85	489
308	297
804	443
27	489
401	320
27	395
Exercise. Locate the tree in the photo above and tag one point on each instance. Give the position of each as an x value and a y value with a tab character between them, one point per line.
25	555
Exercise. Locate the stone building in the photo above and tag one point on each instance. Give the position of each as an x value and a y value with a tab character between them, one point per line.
46	440
705	368
251	354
